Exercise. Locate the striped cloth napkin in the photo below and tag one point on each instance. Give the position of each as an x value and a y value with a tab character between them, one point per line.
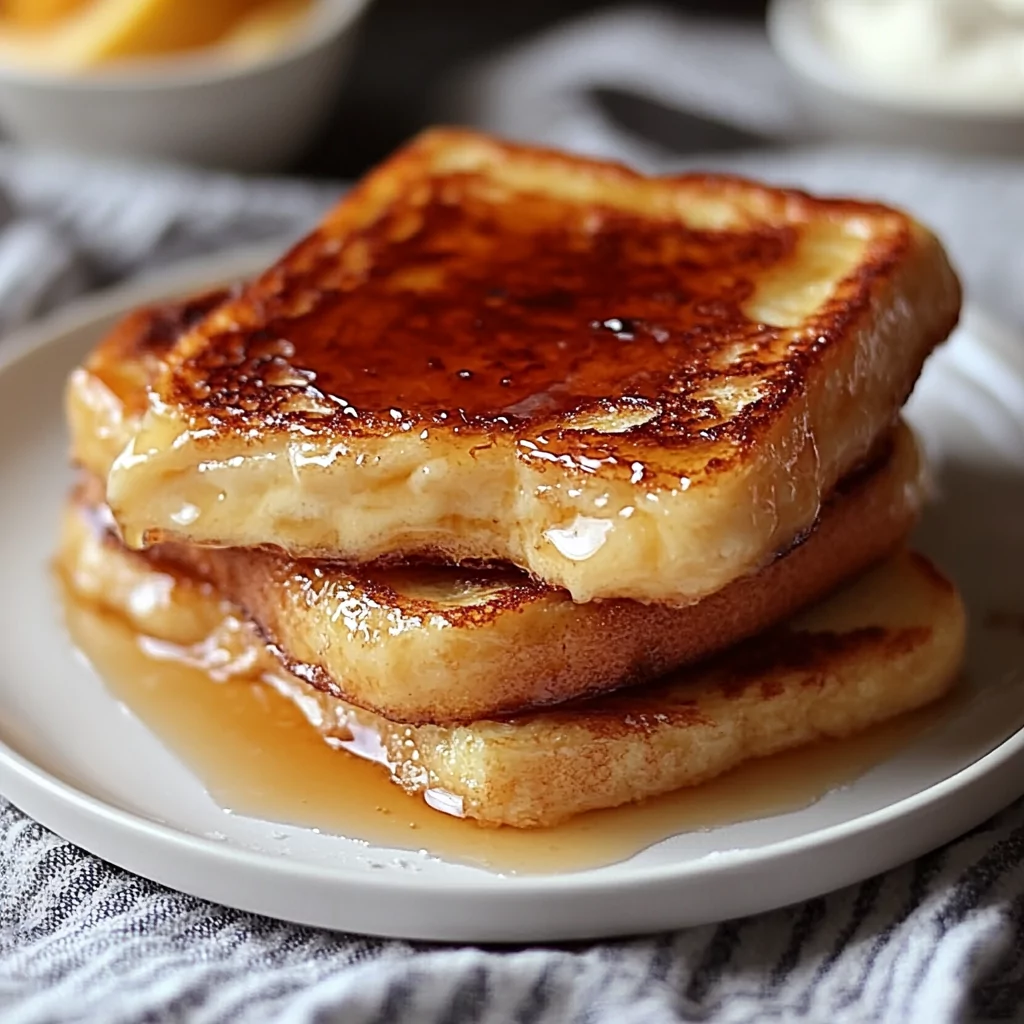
940	940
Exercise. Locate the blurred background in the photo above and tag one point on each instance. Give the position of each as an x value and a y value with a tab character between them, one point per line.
428	41
320	88
325	88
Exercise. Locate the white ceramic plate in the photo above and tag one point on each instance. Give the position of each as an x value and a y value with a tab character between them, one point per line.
76	760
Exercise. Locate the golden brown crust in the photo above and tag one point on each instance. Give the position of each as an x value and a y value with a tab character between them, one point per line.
131	356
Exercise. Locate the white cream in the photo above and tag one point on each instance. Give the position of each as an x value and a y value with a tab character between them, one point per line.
960	51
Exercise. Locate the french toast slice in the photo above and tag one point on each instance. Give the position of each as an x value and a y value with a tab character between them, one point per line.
631	387
888	643
443	644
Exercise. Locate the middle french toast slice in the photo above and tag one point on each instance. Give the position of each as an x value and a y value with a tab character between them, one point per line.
425	644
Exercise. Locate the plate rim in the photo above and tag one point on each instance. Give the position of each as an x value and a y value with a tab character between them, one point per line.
36	782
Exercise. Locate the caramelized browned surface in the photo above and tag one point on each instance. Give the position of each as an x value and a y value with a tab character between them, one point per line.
133	353
451	308
750	670
462	303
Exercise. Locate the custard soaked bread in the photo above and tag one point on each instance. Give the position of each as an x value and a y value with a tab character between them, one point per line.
631	387
443	644
888	643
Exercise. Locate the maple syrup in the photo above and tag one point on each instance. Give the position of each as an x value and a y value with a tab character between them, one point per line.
455	308
257	756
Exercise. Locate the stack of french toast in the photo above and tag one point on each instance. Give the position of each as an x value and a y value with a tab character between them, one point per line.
548	485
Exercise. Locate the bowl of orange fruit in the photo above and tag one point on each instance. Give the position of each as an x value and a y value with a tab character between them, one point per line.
238	84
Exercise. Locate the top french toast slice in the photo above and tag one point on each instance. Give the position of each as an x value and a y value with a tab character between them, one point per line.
629	386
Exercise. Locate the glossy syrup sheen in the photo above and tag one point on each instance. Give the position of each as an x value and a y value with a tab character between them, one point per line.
457	306
257	756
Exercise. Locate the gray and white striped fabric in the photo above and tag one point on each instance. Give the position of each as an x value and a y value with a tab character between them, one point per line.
939	940
936	942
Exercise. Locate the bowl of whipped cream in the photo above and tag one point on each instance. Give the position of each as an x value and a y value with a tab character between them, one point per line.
946	74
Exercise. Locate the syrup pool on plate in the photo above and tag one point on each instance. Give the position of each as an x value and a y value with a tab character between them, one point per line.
257	756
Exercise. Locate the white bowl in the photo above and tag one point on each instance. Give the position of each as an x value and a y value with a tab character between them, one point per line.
197	108
843	105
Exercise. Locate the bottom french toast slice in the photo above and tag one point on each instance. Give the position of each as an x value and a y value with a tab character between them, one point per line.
887	643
